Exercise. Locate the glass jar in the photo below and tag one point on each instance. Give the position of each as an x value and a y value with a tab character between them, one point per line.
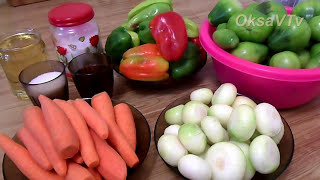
74	30
19	49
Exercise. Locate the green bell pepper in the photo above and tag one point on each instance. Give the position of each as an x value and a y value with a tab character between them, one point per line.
135	38
192	28
144	33
147	14
188	64
144	5
118	42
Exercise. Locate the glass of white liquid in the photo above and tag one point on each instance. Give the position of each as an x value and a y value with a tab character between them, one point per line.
47	78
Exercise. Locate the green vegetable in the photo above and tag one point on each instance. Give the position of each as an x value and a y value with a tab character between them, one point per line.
205	152
192	28
315	49
285	59
250	26
188	64
227	161
145	4
307	9
147	14
272	9
118	42
192	138
222	26
212	129
250	171
314	62
203	95
277	138
290	35
135	38
304	57
222	112
166	144
264	154
252	6
225	38
268	119
144	33
172	129
225	94
223	10
250	51
255	134
315	28
174	115
242	123
194	112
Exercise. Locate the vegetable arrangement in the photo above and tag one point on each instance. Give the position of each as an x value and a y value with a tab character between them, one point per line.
156	43
76	140
231	139
264	33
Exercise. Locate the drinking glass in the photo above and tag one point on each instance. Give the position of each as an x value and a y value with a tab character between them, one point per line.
54	86
19	49
92	73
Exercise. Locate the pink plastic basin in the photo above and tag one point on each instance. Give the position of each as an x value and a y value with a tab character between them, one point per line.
283	88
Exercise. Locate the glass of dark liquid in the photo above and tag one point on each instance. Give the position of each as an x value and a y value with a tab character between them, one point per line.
47	78
92	73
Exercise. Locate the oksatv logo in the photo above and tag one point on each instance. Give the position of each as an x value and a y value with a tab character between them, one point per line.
243	20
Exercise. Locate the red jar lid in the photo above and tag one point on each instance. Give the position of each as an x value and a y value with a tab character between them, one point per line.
70	14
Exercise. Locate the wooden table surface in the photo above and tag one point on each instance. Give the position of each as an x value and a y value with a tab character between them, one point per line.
304	121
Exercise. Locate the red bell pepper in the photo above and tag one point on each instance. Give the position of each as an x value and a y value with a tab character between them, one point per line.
169	31
144	63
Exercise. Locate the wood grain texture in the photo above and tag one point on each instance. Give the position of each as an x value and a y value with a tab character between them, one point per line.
304	121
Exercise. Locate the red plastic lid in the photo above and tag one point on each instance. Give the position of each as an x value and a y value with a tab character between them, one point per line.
70	14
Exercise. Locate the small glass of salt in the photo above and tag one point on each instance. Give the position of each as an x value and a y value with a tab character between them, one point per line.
47	78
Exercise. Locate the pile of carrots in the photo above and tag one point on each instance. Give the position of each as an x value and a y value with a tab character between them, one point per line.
72	140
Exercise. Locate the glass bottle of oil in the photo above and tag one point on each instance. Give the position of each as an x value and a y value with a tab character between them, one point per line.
17	51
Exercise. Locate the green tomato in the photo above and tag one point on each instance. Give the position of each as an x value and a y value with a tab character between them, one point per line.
223	10
250	26
314	62
307	9
304	57
250	51
192	138
225	38
242	123
285	59
315	49
293	34
174	115
222	26
315	28
272	9
252	6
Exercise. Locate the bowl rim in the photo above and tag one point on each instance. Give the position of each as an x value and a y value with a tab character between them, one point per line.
244	66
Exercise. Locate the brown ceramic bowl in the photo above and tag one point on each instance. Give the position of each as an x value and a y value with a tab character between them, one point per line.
11	172
286	146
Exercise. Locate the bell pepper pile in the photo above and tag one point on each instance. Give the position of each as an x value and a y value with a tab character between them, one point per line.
156	43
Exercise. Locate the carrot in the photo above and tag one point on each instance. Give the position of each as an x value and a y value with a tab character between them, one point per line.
111	166
63	135
34	122
102	104
25	163
92	118
77	172
77	158
95	173
125	121
87	149
34	148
